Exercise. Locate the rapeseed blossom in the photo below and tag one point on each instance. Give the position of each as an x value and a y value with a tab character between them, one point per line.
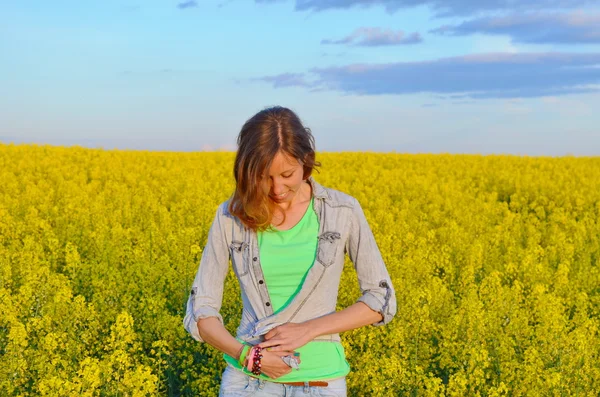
495	260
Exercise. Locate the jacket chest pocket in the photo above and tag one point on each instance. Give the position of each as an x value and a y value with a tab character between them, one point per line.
239	257
328	247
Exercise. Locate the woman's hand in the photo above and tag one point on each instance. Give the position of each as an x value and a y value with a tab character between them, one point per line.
273	366
287	337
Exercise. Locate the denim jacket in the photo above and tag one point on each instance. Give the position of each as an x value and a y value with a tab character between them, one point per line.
343	228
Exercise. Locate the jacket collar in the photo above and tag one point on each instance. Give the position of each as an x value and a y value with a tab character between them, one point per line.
318	190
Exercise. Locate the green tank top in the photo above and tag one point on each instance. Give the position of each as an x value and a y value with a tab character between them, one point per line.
286	256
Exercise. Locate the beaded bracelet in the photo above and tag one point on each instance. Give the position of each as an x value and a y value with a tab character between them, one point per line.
254	360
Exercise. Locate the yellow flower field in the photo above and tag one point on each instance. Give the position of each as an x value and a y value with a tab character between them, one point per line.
495	260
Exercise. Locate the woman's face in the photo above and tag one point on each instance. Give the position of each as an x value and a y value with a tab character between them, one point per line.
285	178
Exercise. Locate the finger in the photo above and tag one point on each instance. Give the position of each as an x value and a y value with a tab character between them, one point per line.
282	353
297	357
271	333
277	349
269	343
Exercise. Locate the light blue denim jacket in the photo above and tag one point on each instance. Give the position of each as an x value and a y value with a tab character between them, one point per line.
342	228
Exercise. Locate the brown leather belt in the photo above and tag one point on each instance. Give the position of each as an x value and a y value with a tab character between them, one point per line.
311	383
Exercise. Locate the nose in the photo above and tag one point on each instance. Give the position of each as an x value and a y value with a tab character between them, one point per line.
278	187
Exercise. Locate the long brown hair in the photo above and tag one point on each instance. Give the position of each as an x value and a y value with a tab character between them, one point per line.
272	130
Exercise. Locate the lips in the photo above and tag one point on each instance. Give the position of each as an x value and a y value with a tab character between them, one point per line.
280	196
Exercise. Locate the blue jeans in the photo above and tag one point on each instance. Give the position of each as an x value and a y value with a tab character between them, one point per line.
235	383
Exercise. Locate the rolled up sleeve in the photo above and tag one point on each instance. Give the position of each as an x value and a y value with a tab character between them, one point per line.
373	278
206	294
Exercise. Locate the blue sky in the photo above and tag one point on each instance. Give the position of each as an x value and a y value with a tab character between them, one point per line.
410	76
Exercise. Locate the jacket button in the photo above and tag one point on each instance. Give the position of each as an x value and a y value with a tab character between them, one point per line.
255	259
268	304
261	282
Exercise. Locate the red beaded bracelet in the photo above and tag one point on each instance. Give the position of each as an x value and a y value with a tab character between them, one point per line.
256	357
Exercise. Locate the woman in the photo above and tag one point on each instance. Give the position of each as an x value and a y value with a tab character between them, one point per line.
286	236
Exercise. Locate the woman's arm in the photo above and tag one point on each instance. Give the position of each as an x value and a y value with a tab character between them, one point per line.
376	306
215	334
206	295
203	319
354	316
373	277
291	336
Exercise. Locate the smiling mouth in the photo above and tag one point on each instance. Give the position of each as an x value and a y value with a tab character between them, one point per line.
279	196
